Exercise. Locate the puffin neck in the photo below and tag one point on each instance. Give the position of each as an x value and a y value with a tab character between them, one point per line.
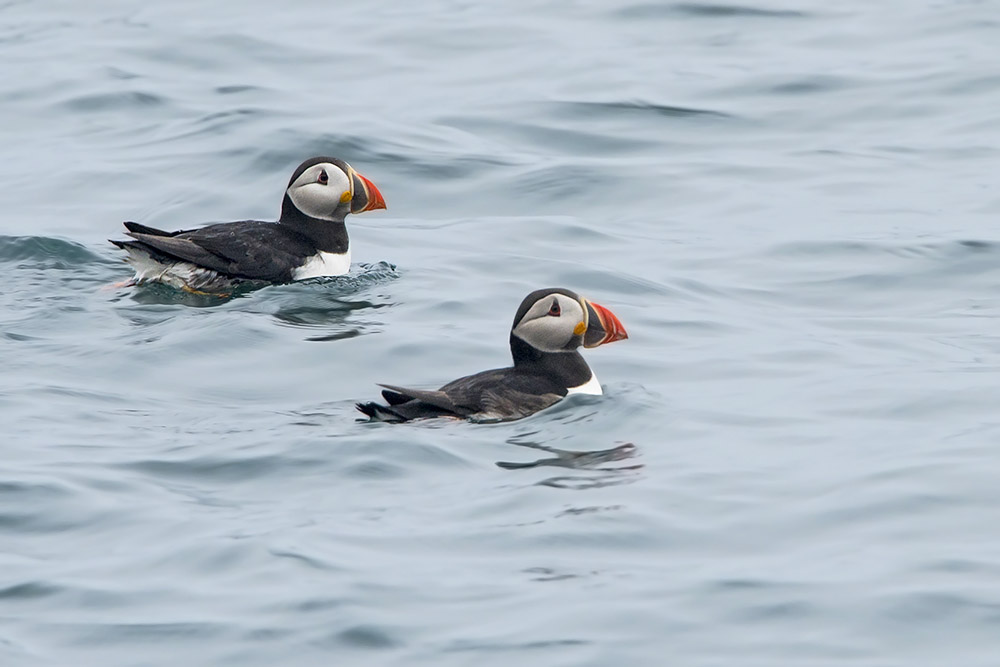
568	367
326	235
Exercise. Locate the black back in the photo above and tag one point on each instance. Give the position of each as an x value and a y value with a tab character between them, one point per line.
247	249
535	381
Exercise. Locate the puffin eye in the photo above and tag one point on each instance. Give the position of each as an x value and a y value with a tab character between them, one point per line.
323	177
554	311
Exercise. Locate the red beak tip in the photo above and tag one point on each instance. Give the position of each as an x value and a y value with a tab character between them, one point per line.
375	199
612	325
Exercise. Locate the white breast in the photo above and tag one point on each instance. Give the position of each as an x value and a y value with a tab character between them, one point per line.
591	386
324	264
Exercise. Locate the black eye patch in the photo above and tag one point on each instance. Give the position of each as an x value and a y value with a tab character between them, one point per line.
555	311
323	177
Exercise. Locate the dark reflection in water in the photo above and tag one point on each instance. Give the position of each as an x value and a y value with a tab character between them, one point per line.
581	483
567	458
328	308
159	294
328	313
326	304
705	10
360	277
588	109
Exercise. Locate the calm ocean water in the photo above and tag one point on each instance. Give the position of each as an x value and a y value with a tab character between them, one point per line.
791	205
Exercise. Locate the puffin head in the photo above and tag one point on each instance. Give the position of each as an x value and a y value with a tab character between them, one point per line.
326	188
559	320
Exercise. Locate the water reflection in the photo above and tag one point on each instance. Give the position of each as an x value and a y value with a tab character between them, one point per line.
567	458
327	291
327	306
159	294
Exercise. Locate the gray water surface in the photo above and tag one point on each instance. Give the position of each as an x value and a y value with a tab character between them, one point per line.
791	206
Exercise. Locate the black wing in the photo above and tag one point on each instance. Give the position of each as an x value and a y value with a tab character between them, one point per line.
500	394
434	399
247	249
506	404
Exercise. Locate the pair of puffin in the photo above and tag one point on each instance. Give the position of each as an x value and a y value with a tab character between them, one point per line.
310	240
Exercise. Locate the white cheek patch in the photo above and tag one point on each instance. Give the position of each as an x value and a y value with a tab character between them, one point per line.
324	264
548	334
314	200
591	386
317	200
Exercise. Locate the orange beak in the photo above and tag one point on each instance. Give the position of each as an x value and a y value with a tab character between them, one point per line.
603	326
373	198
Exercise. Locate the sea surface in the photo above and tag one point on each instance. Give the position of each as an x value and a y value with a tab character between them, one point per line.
792	206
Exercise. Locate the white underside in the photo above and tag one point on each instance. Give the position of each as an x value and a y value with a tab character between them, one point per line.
591	386
324	264
176	274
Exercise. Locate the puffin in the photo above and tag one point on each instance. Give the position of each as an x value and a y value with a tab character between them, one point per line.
549	328
309	239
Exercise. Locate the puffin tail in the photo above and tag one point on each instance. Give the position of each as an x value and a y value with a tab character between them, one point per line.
123	244
138	228
379	413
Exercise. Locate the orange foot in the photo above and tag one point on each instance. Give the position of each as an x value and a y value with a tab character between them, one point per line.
191	290
125	283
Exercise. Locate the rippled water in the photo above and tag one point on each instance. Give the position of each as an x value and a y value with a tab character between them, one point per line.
791	206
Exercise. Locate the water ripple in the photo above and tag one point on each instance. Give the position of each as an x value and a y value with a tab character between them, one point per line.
706	10
588	109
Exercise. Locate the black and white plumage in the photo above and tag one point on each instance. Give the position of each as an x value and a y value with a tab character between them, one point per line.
549	327
308	240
